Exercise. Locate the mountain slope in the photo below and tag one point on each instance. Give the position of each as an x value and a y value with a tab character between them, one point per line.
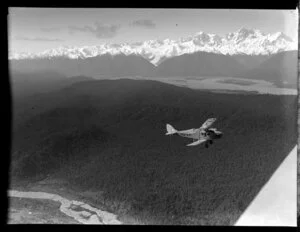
200	64
281	69
25	84
106	65
250	61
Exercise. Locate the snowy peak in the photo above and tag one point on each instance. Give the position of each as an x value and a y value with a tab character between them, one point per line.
243	34
243	41
281	36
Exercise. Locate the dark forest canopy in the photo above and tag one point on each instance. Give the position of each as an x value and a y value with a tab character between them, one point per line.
109	136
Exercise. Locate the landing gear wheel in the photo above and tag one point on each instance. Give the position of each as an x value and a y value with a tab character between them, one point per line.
211	142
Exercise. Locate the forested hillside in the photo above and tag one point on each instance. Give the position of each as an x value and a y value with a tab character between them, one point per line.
110	136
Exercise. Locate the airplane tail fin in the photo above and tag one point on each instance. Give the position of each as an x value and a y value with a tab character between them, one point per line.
170	130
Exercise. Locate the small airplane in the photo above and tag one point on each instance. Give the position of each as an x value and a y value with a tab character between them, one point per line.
204	134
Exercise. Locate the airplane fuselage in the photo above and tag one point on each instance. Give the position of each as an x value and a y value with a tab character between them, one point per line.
197	134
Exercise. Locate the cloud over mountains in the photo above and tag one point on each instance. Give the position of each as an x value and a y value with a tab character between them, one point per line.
145	23
44	39
99	30
50	29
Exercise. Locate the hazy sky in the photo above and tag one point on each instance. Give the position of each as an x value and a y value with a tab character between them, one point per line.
37	29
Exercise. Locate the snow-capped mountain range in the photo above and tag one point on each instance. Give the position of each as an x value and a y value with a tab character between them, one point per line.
244	41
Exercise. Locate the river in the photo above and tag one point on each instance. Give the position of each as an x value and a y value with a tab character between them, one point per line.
87	214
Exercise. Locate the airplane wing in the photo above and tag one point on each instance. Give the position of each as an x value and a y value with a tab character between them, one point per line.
208	123
197	142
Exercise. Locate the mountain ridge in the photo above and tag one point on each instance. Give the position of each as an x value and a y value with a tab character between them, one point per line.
243	41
